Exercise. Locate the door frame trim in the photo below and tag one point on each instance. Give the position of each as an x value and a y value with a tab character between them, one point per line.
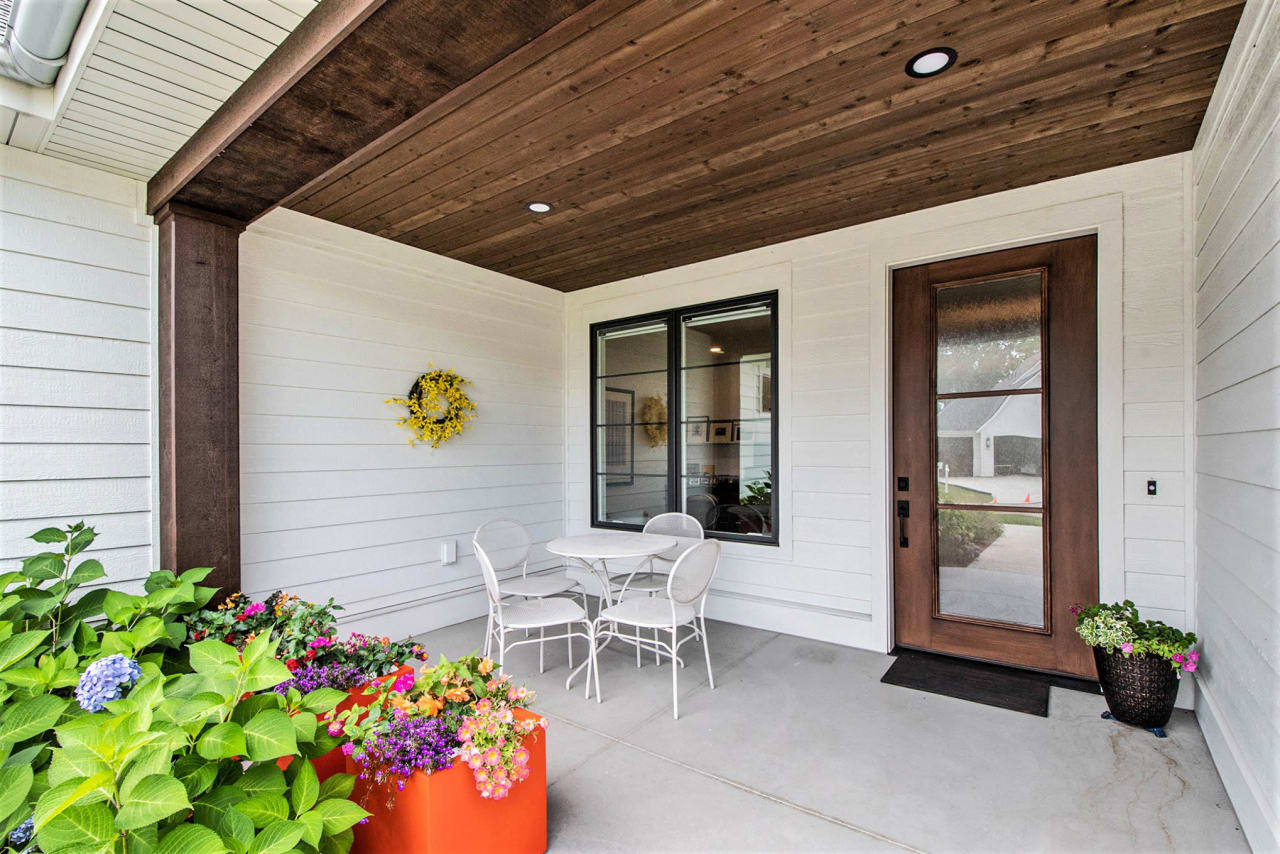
1100	215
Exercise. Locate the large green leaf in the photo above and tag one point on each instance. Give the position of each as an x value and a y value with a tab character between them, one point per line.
265	673
304	726
222	741
312	828
81	541
15	783
266	778
80	828
86	571
337	843
210	808
322	700
43	567
337	786
277	837
191	839
237	826
62	796
27	718
29	755
49	535
270	735
196	574
196	778
264	809
153	798
338	815
212	657
17	647
306	787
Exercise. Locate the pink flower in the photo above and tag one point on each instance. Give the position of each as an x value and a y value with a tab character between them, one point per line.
254	609
335	728
492	756
1126	647
484	705
403	683
1193	655
1190	667
522	756
475	761
1177	656
348	749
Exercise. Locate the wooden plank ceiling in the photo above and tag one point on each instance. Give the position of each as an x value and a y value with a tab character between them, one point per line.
670	131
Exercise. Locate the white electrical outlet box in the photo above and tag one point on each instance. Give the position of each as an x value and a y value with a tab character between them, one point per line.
448	552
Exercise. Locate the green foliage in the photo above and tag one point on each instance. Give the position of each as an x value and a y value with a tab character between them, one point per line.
183	761
963	534
760	492
1118	626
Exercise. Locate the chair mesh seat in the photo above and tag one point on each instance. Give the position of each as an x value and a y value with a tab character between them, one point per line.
537	585
647	613
537	613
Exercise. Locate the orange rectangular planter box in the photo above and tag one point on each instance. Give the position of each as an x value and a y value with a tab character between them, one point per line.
334	762
443	813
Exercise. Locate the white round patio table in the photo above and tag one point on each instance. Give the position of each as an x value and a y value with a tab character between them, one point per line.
595	550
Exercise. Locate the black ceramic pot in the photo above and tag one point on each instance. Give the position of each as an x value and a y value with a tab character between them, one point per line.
1140	689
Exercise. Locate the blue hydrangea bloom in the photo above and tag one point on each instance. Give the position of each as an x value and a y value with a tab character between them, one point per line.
106	680
22	834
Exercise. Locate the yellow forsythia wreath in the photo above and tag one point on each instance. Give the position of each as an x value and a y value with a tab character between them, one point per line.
438	407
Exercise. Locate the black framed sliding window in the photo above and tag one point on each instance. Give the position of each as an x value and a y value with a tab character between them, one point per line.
683	418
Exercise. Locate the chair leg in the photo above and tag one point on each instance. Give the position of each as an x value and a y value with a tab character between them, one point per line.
488	633
568	638
502	644
706	651
675	676
595	664
657	656
542	633
637	647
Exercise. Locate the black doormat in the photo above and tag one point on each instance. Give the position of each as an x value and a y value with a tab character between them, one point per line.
978	682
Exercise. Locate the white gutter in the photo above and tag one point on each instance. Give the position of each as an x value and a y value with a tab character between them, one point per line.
38	39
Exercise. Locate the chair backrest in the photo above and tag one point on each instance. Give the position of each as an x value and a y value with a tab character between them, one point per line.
490	576
505	542
691	576
686	529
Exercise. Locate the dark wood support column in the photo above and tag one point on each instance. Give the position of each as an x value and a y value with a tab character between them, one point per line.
199	392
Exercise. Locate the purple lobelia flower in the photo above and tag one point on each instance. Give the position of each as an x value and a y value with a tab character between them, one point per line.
335	674
407	744
106	680
22	834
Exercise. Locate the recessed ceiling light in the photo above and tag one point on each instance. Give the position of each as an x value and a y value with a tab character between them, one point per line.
929	62
717	349
540	207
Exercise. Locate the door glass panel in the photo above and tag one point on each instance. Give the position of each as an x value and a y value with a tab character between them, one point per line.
991	566
990	450
989	335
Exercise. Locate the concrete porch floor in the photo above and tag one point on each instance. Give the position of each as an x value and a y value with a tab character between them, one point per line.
800	747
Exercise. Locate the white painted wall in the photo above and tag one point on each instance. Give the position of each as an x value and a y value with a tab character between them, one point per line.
830	576
1237	356
76	354
334	500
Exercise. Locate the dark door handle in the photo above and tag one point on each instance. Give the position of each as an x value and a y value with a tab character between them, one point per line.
904	511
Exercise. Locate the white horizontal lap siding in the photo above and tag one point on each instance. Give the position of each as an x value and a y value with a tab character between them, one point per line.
830	576
335	503
75	361
1236	240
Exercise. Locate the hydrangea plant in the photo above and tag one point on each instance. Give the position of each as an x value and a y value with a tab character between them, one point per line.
1118	627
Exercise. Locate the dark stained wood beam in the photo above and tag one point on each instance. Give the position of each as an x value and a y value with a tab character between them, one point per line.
352	72
199	392
318	33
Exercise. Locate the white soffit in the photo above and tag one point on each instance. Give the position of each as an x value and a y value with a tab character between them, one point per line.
151	72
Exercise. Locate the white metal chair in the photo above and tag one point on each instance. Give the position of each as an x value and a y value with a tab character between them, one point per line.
507	544
532	614
649	577
687	585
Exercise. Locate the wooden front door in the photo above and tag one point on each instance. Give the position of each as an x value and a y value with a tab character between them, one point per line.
995	453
